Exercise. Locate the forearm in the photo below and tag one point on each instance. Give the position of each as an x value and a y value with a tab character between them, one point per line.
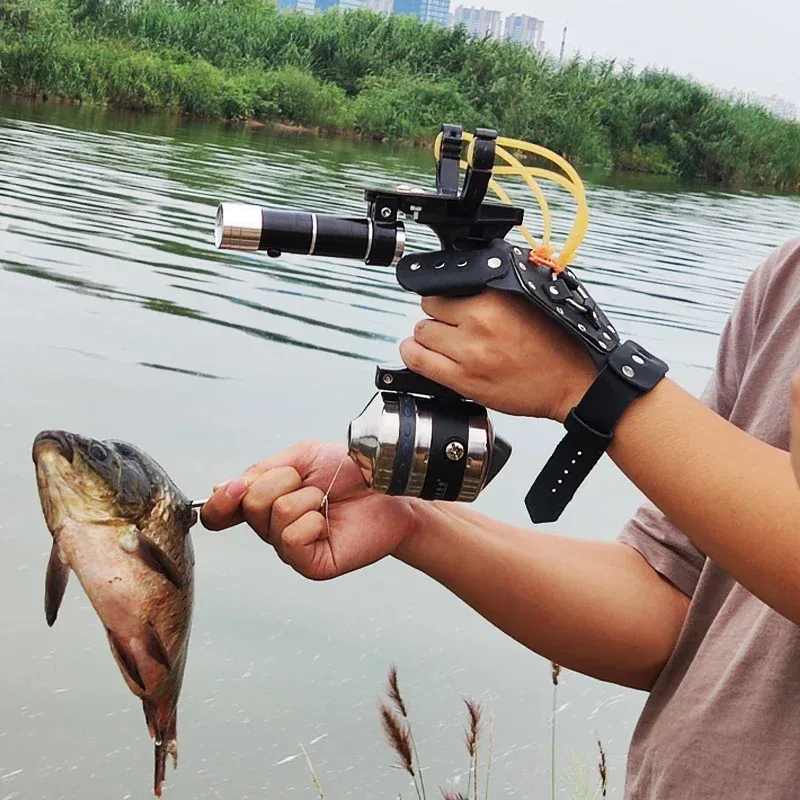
734	496
594	607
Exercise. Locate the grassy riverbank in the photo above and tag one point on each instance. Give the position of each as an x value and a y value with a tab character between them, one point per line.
362	74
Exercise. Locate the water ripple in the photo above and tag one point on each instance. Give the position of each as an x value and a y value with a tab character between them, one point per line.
128	214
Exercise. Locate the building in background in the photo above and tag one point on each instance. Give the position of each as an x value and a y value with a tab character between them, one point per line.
480	22
343	5
524	30
772	104
381	6
437	11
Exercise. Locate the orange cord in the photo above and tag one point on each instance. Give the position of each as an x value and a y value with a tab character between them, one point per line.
543	256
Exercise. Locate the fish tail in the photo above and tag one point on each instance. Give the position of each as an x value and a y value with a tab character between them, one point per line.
160	767
165	733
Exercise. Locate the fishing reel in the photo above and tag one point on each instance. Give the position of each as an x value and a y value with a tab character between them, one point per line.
416	437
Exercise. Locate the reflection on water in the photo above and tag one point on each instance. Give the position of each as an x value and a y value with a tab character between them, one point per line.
105	219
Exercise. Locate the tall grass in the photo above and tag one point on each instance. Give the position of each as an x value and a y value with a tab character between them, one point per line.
362	73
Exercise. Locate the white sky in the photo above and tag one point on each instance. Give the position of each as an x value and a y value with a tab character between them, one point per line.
754	46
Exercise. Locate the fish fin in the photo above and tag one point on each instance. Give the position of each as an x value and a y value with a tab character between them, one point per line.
55	585
150	718
158	560
125	659
155	647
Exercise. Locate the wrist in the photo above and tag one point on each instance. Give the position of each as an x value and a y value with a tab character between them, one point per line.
424	518
574	389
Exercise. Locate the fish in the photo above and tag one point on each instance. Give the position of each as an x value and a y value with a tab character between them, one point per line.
123	527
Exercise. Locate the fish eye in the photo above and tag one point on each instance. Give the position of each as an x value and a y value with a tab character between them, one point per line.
98	452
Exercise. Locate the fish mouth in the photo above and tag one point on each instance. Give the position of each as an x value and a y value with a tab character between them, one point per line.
57	439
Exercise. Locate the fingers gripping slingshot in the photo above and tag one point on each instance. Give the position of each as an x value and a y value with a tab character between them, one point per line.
419	438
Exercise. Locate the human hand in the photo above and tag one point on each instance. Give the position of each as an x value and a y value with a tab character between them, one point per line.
280	500
501	352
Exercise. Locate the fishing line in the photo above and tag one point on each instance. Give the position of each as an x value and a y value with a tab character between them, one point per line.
323	506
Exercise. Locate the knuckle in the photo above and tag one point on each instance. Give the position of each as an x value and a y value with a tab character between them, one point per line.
282	507
252	504
413	358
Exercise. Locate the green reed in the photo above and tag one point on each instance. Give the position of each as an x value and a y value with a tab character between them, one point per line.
361	73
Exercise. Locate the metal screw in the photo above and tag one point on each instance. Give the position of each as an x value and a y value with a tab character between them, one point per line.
387	379
494	263
415	266
553	290
637	359
628	371
386	212
454	451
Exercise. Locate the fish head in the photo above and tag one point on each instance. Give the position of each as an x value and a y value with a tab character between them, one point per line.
87	481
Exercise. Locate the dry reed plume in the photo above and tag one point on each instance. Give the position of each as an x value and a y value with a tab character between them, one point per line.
603	769
471	738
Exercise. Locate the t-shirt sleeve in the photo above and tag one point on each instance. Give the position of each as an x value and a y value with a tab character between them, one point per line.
650	532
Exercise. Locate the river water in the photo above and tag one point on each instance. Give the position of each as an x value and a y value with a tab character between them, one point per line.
119	319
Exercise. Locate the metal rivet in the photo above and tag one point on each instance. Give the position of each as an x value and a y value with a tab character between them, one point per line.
553	290
560	311
415	266
517	251
454	451
438	265
566	472
628	371
603	345
463	263
637	359
560	481
386	212
606	336
581	328
580	452
522	267
611	328
554	491
573	461
388	379
494	263
531	285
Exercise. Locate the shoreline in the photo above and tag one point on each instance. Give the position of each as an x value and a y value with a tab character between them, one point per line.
288	129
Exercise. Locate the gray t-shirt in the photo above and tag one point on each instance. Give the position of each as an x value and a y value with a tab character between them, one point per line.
723	719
